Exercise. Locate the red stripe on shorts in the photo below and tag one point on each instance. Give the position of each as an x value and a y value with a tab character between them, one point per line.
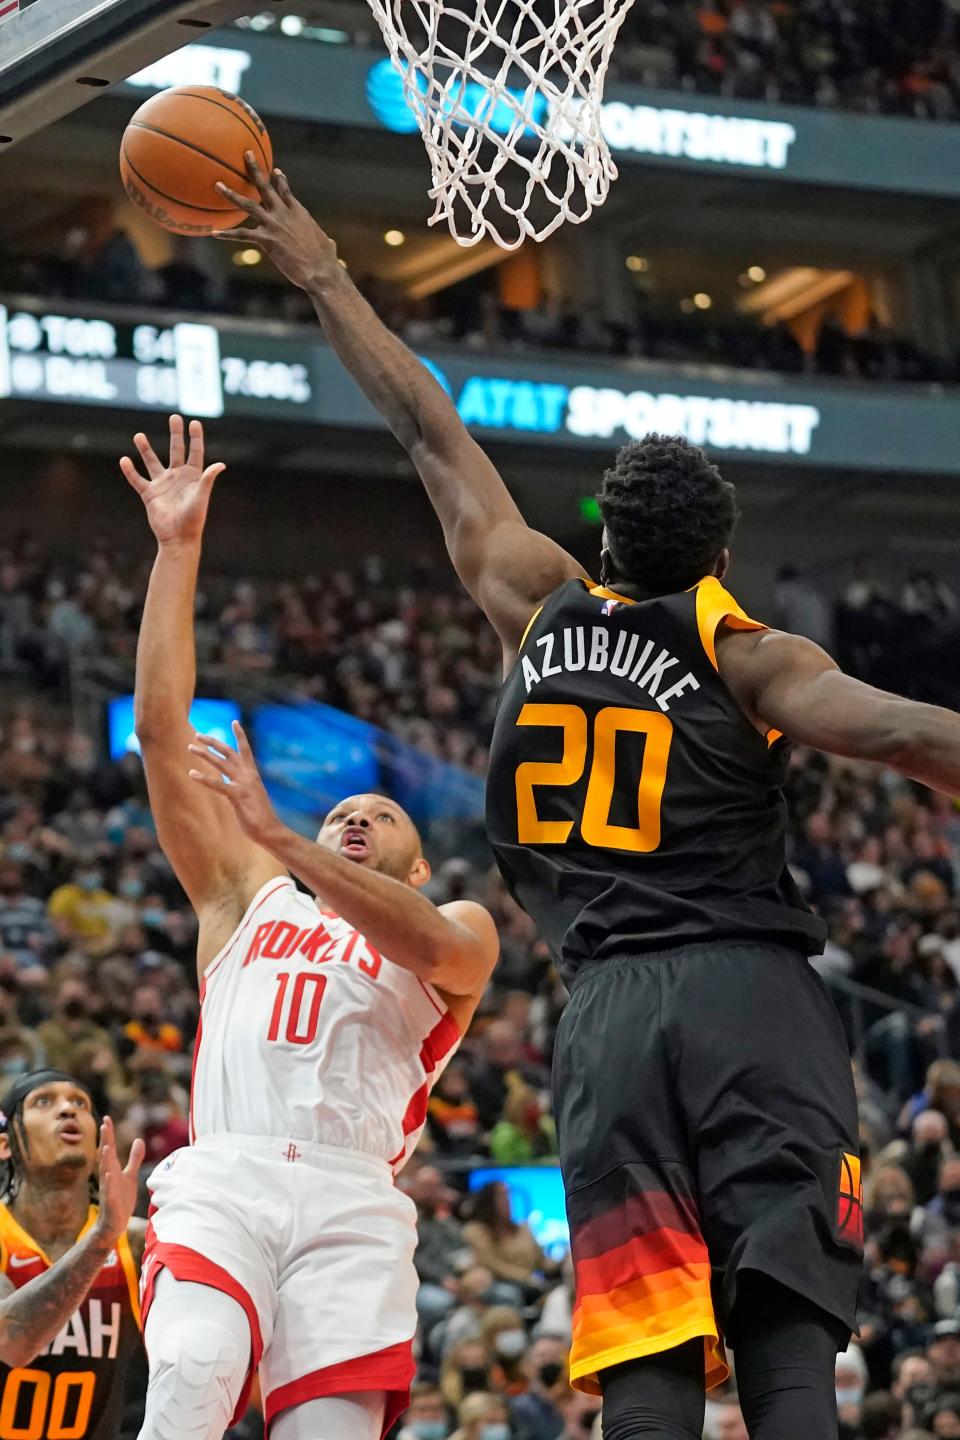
186	1264
391	1370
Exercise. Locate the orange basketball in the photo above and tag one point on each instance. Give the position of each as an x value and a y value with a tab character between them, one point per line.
176	148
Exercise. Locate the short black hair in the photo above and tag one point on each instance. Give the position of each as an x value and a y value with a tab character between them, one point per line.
668	513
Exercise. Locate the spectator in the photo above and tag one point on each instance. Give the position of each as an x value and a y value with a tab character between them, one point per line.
505	1337
476	1292
943	1352
881	1416
452	1116
81	909
146	1028
70	1031
465	1371
850	1375
483	1417
507	1249
440	1244
427	1417
943	1417
25	931
728	1421
525	1133
502	1063
538	1413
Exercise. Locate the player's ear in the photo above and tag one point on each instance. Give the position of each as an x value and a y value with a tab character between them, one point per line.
420	873
723	563
4	1146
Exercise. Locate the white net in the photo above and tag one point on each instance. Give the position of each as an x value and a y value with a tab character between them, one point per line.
507	95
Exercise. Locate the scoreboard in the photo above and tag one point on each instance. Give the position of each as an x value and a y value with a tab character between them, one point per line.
186	365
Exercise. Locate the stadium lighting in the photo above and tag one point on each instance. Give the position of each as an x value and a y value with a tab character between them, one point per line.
702	300
638	264
394	238
291	25
757	274
247	257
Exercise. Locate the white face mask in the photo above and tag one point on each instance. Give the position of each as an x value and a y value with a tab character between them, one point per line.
510	1344
849	1395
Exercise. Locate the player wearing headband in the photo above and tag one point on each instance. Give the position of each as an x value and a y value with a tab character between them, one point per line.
69	1250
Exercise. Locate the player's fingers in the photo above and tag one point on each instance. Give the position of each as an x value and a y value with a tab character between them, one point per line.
218	786
249	207
135	1159
244	234
211	473
268	197
282	186
176	441
148	455
213	762
243	744
195	453
219	748
133	477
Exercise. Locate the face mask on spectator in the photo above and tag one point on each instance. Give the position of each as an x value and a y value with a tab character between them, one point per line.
19	853
498	1430
16	1065
154	918
919	1397
74	1009
550	1373
131	888
430	1429
849	1395
474	1378
951	1206
92	880
510	1344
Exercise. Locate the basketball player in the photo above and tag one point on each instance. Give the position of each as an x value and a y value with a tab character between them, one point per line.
706	1113
279	1239
69	1311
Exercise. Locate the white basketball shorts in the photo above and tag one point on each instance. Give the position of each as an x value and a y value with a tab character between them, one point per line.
316	1243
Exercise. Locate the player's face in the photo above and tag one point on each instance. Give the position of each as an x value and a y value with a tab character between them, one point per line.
59	1129
371	830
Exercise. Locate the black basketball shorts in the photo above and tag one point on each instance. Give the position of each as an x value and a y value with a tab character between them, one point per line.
707	1124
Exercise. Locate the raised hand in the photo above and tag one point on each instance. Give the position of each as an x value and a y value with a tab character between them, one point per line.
176	495
118	1187
233	775
285	232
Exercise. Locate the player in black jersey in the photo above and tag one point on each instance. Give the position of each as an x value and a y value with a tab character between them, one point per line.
69	1309
703	1092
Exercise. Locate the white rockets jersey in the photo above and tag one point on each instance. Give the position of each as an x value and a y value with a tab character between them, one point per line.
308	1033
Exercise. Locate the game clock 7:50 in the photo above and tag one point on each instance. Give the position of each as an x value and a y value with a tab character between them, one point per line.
266	379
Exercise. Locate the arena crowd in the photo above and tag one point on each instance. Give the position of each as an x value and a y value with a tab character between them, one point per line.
96	975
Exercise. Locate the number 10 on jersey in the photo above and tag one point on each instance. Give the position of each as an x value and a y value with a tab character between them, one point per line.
302	1009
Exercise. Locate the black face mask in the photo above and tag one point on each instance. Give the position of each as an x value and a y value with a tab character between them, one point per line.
474	1378
550	1373
74	1010
918	1398
951	1205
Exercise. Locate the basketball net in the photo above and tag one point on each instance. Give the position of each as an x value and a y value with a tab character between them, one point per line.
507	97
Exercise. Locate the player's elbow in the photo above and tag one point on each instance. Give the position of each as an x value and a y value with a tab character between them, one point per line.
14	1351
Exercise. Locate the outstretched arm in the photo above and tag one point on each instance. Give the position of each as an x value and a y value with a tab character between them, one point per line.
35	1314
454	946
218	867
508	568
787	683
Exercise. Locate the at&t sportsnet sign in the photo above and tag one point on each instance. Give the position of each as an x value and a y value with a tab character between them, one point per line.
590	412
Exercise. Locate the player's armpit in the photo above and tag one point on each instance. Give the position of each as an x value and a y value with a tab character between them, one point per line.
467	956
218	867
784	682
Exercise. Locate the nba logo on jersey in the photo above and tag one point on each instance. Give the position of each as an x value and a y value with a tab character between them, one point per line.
609	606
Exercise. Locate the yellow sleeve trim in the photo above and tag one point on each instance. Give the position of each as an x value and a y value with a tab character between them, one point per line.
130	1270
716	607
530	625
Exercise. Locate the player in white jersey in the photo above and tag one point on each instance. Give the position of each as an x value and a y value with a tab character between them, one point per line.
278	1239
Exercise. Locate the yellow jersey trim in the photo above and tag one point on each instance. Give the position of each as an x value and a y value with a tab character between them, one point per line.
133	1279
605	594
15	1232
530	624
584	1371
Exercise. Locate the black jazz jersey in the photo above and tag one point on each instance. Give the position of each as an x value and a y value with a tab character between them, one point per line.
631	804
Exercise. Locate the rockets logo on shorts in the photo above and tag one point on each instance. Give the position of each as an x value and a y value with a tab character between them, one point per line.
850	1204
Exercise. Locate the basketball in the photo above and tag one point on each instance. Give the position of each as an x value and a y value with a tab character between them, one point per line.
176	148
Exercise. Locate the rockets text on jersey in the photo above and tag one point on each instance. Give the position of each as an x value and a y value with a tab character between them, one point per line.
308	1032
